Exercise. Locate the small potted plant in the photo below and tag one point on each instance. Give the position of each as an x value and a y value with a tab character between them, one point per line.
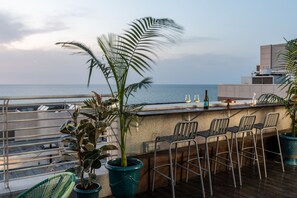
82	137
133	52
228	101
289	82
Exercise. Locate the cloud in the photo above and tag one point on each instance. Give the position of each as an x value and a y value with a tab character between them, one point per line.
44	67
12	29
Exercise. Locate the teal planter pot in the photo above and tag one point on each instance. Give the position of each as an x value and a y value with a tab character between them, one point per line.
124	181
91	193
289	149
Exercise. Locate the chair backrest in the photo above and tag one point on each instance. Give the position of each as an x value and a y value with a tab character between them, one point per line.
218	126
271	119
185	130
59	185
246	123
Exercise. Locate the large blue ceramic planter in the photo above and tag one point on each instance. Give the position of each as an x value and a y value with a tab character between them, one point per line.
124	181
289	149
92	193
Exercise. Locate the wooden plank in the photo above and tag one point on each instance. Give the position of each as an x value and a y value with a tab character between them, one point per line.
277	184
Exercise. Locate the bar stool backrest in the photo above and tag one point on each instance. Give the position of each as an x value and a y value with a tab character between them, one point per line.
271	119
247	123
218	126
185	130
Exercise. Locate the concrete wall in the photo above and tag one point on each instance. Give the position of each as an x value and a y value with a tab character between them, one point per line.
271	56
243	91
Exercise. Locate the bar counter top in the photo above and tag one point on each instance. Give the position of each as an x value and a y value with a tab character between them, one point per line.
177	108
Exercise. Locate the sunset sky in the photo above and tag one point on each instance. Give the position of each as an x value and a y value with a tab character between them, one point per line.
220	44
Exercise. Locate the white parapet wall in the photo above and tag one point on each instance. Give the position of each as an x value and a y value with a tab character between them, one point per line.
246	91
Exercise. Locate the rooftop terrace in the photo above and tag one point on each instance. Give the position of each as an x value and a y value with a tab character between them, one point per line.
27	158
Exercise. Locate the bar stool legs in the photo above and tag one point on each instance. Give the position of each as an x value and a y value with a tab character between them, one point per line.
239	157
218	128
199	168
229	153
184	132
263	151
270	123
238	160
208	166
245	126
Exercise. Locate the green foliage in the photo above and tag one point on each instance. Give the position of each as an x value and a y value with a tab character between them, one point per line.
134	50
83	135
289	82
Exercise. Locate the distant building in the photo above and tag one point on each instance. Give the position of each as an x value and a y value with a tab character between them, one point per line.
265	79
268	72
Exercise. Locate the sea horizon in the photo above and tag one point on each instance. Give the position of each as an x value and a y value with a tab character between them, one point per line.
157	93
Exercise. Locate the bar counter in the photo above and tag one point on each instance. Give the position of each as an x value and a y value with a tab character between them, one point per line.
179	108
160	120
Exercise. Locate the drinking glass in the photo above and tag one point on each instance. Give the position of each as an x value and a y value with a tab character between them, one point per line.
196	98
187	98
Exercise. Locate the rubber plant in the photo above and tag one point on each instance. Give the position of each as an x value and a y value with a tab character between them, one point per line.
289	82
82	137
131	52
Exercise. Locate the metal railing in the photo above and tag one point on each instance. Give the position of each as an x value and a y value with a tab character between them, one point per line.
30	141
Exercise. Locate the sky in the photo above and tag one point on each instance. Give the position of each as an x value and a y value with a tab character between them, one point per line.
221	40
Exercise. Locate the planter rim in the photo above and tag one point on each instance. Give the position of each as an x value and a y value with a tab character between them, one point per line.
287	136
138	164
99	187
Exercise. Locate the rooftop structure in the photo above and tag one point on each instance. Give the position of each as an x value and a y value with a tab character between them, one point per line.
268	72
265	79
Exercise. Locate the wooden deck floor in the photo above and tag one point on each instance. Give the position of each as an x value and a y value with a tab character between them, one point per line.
276	185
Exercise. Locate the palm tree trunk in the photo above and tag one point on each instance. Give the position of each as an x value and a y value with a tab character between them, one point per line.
123	141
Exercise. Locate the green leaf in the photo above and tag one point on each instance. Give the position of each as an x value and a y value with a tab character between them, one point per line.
80	137
68	127
87	165
91	116
90	147
96	164
92	155
108	147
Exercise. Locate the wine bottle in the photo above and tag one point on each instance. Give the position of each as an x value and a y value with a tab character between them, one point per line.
206	100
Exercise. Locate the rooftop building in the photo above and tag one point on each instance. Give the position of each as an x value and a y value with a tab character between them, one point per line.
269	71
265	79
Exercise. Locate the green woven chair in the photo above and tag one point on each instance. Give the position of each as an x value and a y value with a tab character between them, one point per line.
57	186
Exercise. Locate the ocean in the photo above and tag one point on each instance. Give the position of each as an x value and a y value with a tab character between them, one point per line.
157	93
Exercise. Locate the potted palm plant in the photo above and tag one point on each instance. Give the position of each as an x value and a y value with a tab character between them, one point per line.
289	82
133	51
82	136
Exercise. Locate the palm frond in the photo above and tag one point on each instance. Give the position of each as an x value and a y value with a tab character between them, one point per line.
138	44
270	98
93	61
132	88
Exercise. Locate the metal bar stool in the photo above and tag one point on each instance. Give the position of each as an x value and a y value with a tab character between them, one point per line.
184	132
246	125
218	128
270	122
